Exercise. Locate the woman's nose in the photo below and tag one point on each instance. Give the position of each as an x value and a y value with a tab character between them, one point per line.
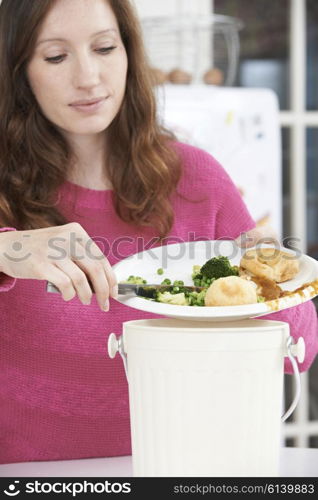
86	72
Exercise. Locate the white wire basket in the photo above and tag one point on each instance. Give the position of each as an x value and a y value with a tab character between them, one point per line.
194	45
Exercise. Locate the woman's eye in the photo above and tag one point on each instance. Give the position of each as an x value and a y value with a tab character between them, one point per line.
59	59
105	50
55	60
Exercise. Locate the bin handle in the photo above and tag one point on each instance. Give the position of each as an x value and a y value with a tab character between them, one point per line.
295	349
292	349
117	345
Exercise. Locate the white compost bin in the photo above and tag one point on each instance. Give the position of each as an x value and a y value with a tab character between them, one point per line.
206	399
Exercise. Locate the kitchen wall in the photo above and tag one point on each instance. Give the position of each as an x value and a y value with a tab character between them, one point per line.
148	8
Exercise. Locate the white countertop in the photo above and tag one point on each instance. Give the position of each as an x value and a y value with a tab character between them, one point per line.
294	462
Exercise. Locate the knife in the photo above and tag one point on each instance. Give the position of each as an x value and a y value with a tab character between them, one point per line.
145	290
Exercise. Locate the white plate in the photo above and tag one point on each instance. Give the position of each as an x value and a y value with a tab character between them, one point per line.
177	261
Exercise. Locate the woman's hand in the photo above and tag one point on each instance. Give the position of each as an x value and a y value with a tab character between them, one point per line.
258	235
64	255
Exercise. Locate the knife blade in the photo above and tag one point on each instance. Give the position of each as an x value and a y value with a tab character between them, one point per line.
144	290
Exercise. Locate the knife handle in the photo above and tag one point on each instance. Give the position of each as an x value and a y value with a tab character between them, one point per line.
123	289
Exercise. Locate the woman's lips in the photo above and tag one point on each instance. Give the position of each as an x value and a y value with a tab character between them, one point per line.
89	108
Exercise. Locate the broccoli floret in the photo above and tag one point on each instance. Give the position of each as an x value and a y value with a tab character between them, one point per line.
218	267
177	299
160	271
137	280
199	279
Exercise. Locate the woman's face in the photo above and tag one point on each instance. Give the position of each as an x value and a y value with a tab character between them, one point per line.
79	56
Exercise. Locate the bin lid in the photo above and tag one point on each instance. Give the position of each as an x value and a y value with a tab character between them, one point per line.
177	335
231	326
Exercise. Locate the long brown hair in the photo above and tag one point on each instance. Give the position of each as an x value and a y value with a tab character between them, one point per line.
144	169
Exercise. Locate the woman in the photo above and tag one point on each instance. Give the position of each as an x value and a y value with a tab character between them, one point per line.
82	157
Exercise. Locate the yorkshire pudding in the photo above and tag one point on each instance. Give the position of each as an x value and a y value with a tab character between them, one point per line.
270	263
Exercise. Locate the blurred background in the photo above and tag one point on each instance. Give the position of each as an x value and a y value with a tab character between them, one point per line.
239	78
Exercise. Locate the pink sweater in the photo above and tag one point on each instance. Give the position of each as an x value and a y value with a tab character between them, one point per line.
61	396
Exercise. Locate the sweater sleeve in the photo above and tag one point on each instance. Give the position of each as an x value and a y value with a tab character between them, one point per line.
6	282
